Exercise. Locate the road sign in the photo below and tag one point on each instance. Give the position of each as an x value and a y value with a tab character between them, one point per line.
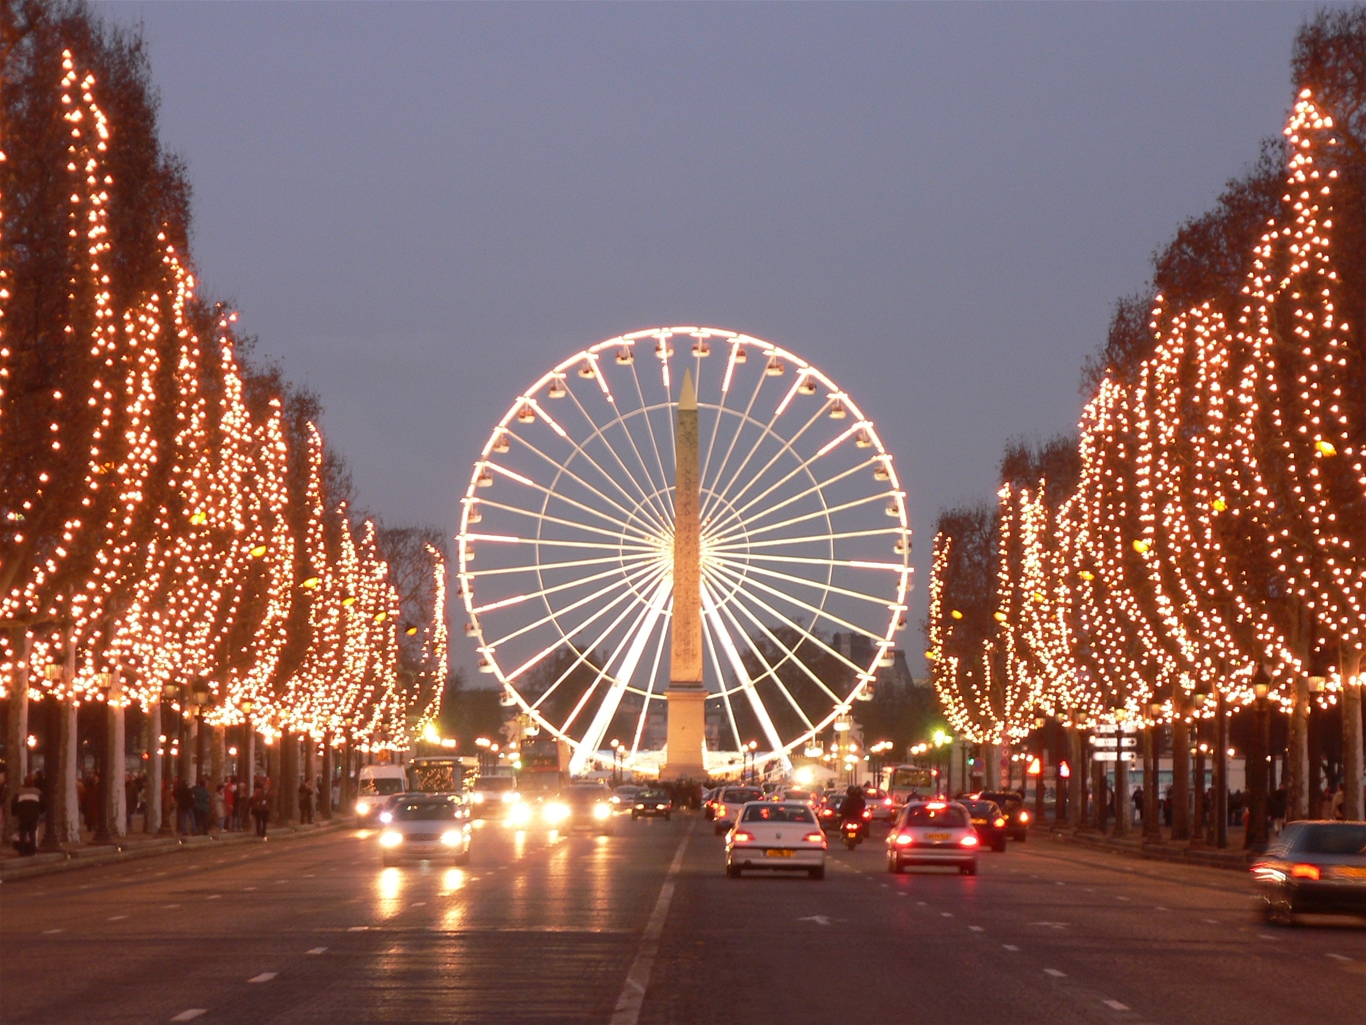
1113	742
1112	756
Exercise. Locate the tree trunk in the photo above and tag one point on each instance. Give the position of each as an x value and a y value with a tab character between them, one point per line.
325	792
1198	822
1181	771
218	743
1076	811
151	821
1220	772
1123	806
68	811
116	796
1151	830
1350	661
52	772
16	736
1297	752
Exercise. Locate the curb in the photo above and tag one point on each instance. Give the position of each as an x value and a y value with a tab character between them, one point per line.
1235	861
86	857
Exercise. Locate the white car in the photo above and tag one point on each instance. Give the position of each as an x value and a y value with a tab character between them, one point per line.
729	801
933	833
426	827
781	836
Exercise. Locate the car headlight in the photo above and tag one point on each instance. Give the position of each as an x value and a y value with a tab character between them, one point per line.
640	807
390	838
602	811
556	812
386	816
362	807
477	797
659	807
452	837
508	796
520	815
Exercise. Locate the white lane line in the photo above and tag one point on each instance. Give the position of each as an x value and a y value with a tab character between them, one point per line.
1335	957
922	904
116	918
946	914
1055	973
1121	898
1266	936
975	928
418	904
191	1014
1115	1005
263	977
627	1011
248	889
50	932
1059	882
214	896
1011	947
1210	921
315	950
1159	907
168	907
358	928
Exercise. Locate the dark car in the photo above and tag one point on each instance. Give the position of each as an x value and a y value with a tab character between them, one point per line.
1012	804
581	806
1313	868
653	803
989	821
829	812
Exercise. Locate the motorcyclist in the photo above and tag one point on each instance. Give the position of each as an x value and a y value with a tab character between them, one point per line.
852	808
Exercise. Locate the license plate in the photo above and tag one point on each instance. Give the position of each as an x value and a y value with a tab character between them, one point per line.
979	822
937	836
778	854
1348	872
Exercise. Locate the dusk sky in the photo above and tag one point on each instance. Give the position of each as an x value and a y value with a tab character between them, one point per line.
420	208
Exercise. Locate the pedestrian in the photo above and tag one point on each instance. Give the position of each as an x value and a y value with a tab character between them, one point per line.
202	805
27	807
1339	803
229	791
260	809
218	808
184	808
1167	808
305	802
1277	810
1137	800
132	798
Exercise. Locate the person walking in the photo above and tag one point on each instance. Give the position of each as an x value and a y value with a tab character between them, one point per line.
184	808
229	792
260	809
27	807
1138	802
218	808
202	805
305	802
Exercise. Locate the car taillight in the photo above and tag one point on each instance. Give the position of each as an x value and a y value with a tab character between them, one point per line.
1000	823
887	801
905	838
814	838
867	813
1304	872
741	837
969	841
1024	816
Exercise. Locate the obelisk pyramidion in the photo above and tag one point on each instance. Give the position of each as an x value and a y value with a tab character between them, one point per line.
686	695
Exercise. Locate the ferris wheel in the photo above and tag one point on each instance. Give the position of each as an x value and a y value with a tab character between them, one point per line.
804	546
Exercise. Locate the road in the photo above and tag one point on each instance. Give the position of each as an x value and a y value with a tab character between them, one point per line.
643	927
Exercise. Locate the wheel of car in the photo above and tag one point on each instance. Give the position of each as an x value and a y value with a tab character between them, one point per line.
733	871
895	866
818	873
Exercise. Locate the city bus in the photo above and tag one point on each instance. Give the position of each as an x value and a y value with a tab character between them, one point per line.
540	773
442	774
908	782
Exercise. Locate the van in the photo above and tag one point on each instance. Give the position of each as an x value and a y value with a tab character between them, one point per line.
376	787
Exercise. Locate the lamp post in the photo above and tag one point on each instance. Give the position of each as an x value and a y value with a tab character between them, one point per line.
1198	824
1256	836
103	761
1314	744
201	697
1036	769
616	762
1151	829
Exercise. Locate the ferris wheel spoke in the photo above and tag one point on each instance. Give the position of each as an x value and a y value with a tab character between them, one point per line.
721	677
799	560
545	567
742	419
545	592
650	689
542	517
550	542
741	545
737	666
600	431
817	488
641	631
804	466
769	670
784	447
624	525
817	585
654	442
822	513
560	468
623	583
741	583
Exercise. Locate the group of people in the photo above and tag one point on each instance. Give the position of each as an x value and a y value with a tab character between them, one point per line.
1239	806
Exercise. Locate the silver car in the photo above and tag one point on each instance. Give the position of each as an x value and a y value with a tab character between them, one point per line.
1313	868
426	827
933	833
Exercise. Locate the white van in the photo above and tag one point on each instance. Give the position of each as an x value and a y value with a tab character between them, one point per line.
376	787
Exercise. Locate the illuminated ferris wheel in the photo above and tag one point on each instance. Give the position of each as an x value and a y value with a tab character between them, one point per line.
804	545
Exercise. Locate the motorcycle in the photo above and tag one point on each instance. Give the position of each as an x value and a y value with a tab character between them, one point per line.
854	832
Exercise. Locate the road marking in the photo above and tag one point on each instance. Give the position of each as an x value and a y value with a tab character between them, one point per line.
1265	936
627	1011
1159	907
1059	882
1121	898
358	928
1055	973
419	904
263	977
1210	921
191	1014
315	950
975	928
1115	1005
116	918
946	914
1335	957
167	907
248	889
922	903
49	932
215	896
818	919
1011	947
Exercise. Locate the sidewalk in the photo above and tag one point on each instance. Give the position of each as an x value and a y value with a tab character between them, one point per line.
141	845
1134	845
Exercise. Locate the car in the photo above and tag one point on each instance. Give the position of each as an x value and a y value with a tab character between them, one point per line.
795	794
1012	804
780	836
376	788
880	803
727	804
580	806
624	798
426	827
708	803
493	796
829	812
1313	867
933	833
653	803
989	822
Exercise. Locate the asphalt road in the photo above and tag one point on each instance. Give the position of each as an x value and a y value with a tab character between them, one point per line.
644	927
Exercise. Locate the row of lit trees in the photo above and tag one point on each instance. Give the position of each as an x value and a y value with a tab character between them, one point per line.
168	514
1202	547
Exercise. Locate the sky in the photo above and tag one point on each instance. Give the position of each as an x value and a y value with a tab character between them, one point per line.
420	208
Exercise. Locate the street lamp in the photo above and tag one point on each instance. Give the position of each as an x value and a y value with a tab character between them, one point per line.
616	762
1256	836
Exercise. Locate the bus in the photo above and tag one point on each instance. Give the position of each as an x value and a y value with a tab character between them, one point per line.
442	774
540	773
908	782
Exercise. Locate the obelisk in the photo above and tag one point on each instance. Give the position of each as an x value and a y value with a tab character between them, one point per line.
686	695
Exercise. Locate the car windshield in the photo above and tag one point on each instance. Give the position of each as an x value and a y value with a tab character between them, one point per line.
778	813
797	795
494	783
936	815
383	786
1347	838
740	795
982	809
834	803
652	795
415	810
583	795
626	791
